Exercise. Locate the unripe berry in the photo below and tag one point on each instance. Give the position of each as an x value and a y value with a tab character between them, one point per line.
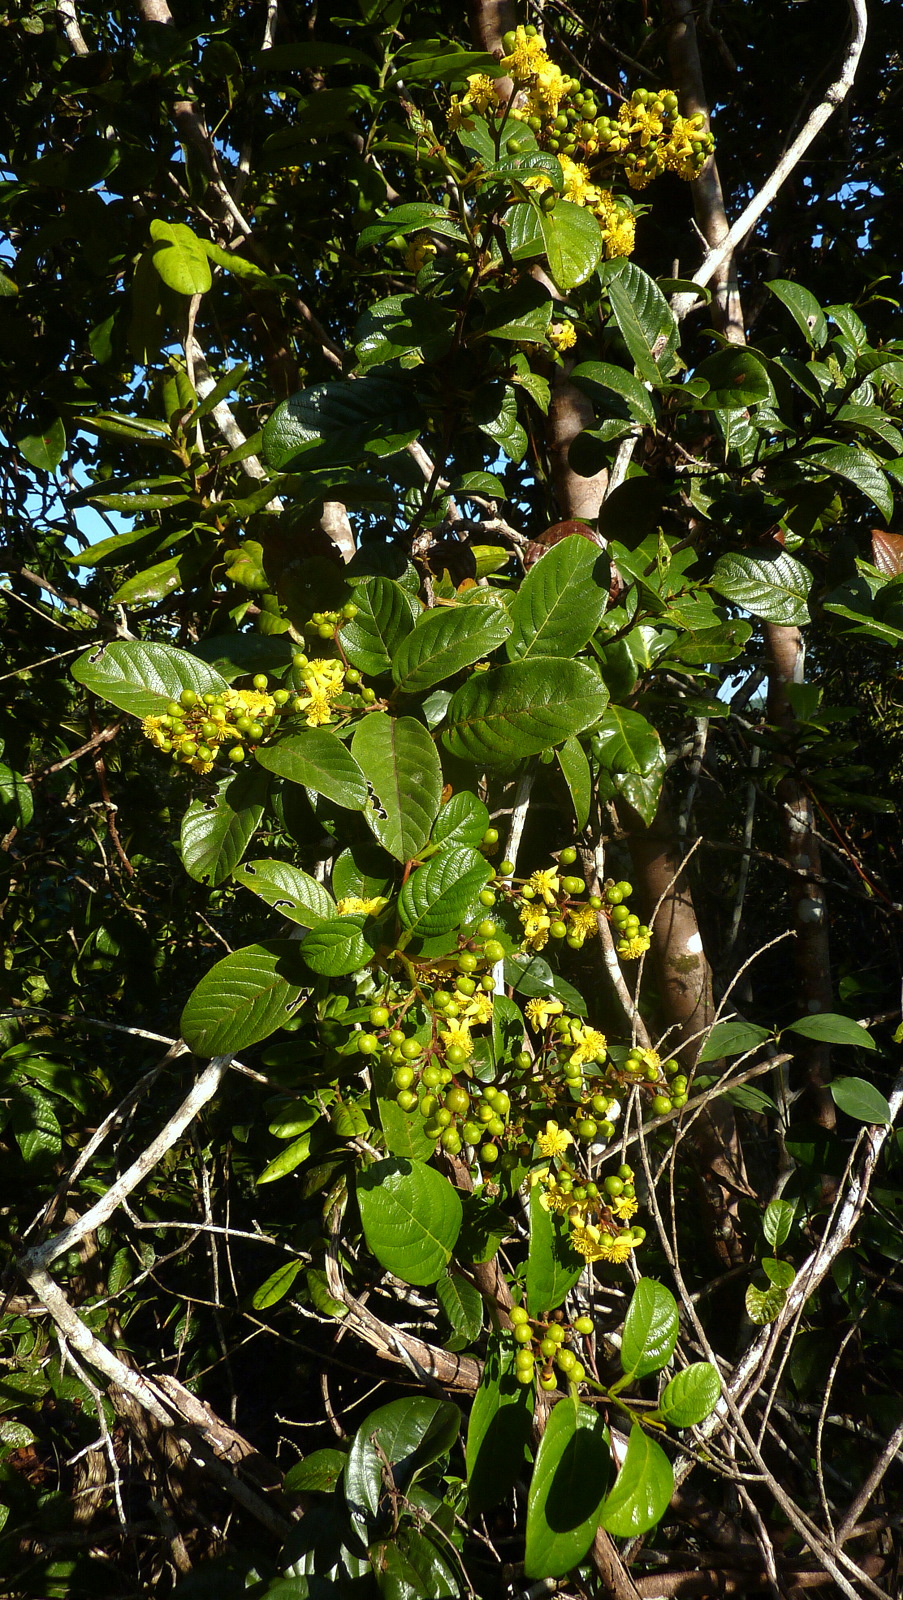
583	1325
471	1133
456	1055
489	1154
367	1044
490	837
567	857
505	867
406	1099
467	961
486	928
493	951
403	1077
522	1333
487	898
259	681
411	1049
379	1016
661	1105
548	1381
397	1037
236	754
518	1314
457	1100
432	1077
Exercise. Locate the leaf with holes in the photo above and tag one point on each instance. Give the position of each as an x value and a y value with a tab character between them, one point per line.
244	998
216	829
399	762
446	640
289	890
143	678
501	716
411	1218
561	601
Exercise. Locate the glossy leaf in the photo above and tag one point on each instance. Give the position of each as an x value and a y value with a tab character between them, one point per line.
763	1305
462	1304
575	770
780	1273
180	258
392	1445
553	1265
573	243
462	820
440	894
317	1473
642	1490
411	1218
691	1395
831	1028
288	890
43	447
216	829
276	1286
804	309
732	1038
737	379
561	601
342	422
625	742
320	761
777	1222
650	1329
857	467
446	640
243	998
501	716
567	1490
772	586
499	1429
340	945
645	319
383	621
602	380
143	678
401	767
860	1100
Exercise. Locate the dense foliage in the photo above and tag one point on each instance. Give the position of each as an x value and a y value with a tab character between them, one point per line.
449	779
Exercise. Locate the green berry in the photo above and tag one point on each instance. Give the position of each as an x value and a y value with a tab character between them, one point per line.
255	731
441	999
299	659
352	677
493	951
368	696
523	1061
565	1360
573	885
456	1055
548	1381
406	1099
467	961
587	1128
379	1016
490	837
431	1077
487	898
558	930
403	1077
451	1141
489	1154
457	1100
518	1314
471	1133
613	1186
613	895
411	1049
236	754
505	868
187	698
567	857
523	1333
548	1346
466	986
583	1325
259	681
428	1105
661	1105
523	1376
486	928
626	889
367	1044
626	1173
397	1037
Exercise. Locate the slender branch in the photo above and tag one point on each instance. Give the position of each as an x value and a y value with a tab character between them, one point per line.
69	23
871	1485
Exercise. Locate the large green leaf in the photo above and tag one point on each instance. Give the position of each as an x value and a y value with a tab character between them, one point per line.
771	585
244	998
600	378
463	1305
736	378
645	319
399	761
17	801
573	243
216	829
691	1395
856	466
339	945
642	1490
180	258
462	820
575	770
733	1037
561	601
570	1477
553	1265
43	446
498	717
440	894
625	742
385	618
804	309
650	1329
444	641
341	422
860	1100
392	1445
831	1028
289	890
320	761
143	678
499	1429
411	1218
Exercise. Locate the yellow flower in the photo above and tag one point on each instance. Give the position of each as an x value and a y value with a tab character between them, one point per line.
620	1249
201	767
590	1044
582	922
578	185
548	88
562	335
420	250
632	949
457	1033
585	1240
540	1010
651	1058
618	224
153	729
536	926
624	1208
546	884
481	92
528	56
353	903
324	677
316	708
554	1198
478	1010
249	702
555	1140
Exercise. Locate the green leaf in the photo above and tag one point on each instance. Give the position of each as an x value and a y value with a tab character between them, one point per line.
645	319
498	717
276	1286
446	640
499	1429
691	1395
339	423
857	467
522	313
440	894
399	762
804	309
17	802
289	890
216	829
763	1305
320	761
642	1490
143	678
317	1473
403	1437
599	377
561	601
462	820
34	1123
575	770
384	620
154	583
408	219
42	447
532	976
244	998
339	945
553	1265
860	1100
650	1329
624	741
363	871
573	243
180	258
234	654
567	1489
773	586
736	378
462	1304
777	1222
780	1273
411	1218
831	1028
732	1038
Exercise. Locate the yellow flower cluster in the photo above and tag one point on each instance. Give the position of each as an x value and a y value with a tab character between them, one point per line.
194	728
589	1045
479	98
615	218
323	682
597	1244
420	250
527	62
592	1217
650	137
353	903
632	949
457	1032
540	1012
562	336
536	925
